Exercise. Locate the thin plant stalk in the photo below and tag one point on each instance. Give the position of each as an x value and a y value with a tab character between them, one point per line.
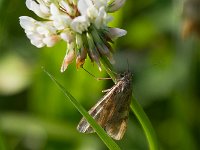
145	123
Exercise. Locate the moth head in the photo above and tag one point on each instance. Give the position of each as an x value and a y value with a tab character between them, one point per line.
126	76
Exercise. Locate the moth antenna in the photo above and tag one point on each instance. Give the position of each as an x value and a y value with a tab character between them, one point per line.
113	72
95	76
128	65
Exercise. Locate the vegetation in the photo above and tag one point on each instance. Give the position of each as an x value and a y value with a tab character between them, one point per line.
34	113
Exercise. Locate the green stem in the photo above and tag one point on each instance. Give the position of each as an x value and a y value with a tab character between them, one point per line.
138	111
145	123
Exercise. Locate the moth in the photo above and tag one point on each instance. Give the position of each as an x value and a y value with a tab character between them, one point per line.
111	112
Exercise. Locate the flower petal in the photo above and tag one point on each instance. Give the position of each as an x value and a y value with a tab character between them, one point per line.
36	8
60	21
80	24
67	36
54	10
36	40
115	5
27	23
67	60
67	7
114	33
83	6
92	12
100	3
51	40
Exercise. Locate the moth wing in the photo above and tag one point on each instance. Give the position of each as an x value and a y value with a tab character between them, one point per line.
117	124
111	113
116	127
98	112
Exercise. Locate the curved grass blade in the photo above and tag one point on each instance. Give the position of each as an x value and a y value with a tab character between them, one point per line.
99	130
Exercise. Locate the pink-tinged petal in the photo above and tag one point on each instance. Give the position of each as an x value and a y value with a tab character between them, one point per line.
51	40
67	60
37	41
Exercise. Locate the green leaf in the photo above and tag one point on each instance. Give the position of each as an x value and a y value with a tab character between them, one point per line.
99	130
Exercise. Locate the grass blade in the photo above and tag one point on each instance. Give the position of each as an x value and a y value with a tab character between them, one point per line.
99	130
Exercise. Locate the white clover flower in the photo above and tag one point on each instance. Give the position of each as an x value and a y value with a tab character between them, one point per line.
82	24
40	9
60	20
40	33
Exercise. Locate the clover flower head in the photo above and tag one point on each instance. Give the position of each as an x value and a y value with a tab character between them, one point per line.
81	23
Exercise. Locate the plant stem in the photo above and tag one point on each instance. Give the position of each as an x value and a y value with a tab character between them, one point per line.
145	123
138	111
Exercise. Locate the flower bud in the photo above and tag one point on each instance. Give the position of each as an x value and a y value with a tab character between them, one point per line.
115	5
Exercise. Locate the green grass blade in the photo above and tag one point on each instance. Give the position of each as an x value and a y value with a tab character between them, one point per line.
146	124
99	130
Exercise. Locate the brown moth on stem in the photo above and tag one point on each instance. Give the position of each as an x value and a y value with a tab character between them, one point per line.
111	112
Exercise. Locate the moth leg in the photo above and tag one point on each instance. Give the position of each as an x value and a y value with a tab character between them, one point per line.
97	78
107	90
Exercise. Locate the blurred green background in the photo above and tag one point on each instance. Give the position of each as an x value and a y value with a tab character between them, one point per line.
34	114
